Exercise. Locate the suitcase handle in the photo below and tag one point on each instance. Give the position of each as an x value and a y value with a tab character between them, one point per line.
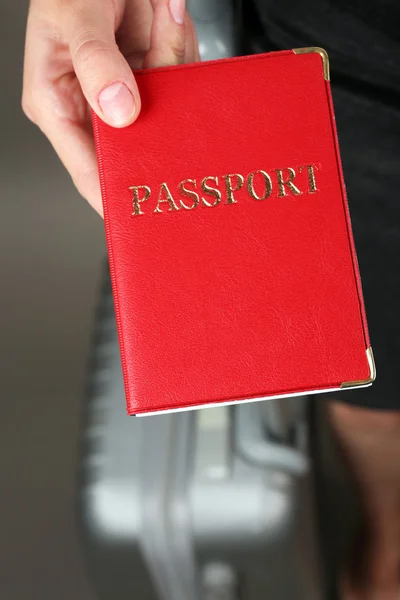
253	443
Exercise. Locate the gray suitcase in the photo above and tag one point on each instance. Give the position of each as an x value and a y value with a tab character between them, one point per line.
214	504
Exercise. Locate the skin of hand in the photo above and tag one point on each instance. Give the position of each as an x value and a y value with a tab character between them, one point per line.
79	54
371	442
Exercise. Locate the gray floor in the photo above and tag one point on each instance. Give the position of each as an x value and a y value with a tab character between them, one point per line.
51	246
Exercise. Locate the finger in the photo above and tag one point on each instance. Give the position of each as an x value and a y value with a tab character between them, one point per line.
167	42
74	145
192	53
72	139
106	79
133	36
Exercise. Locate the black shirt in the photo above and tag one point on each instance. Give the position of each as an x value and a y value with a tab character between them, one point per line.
362	37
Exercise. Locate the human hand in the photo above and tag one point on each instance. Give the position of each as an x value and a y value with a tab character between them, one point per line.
79	53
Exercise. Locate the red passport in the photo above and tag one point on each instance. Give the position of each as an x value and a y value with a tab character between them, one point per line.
231	254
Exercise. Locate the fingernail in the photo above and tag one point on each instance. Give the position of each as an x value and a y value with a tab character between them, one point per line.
117	103
177	8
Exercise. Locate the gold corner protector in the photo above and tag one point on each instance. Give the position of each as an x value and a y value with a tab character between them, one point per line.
323	54
372	373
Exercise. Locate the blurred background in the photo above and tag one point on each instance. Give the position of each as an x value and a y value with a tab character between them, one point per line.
52	245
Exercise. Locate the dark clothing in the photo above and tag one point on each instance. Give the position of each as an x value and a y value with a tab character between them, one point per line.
362	37
363	42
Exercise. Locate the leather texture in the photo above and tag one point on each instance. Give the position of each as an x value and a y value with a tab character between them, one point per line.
244	299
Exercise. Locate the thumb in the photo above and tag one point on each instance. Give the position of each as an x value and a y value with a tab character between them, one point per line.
105	77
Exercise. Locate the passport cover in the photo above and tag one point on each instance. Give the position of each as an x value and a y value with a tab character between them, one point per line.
231	254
